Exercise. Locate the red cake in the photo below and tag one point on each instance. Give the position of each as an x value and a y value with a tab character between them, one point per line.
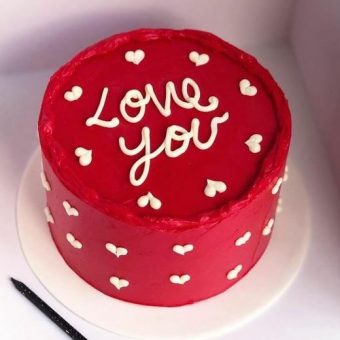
163	154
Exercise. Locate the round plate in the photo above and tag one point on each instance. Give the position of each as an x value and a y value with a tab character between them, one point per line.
213	317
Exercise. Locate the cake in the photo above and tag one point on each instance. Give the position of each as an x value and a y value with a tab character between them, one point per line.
163	153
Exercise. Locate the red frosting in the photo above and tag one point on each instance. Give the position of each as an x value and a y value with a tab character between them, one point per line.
107	201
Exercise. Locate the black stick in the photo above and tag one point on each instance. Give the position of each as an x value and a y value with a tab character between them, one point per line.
47	310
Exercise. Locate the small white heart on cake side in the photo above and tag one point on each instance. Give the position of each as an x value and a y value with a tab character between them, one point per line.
44	181
246	88
198	59
277	186
72	240
70	211
214	187
179	279
134	57
254	143
118	251
119	283
48	215
285	176
84	155
268	228
279	207
182	249
243	239
74	94
233	274
150	199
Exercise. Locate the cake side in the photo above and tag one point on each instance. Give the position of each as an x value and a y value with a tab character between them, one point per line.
158	267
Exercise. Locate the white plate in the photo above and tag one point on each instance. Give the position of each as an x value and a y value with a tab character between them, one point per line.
258	290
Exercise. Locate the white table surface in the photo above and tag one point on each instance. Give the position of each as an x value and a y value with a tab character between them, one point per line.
311	307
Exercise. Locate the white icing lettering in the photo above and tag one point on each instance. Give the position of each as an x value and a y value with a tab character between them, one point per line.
173	133
94	120
135	99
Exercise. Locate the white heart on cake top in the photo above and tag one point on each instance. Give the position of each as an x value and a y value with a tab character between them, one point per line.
182	249
84	155
233	274
277	186
254	143
179	279
243	239
214	187
118	251
74	94
45	183
119	283
70	211
268	228
72	240
198	59
246	88
134	57
150	199
48	215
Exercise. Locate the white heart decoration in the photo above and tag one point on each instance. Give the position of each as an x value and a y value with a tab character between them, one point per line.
118	251
119	283
279	207
181	250
70	211
213	187
268	228
198	59
247	89
72	240
232	274
243	239
154	202
45	183
277	186
285	176
179	280
134	57
74	94
85	156
254	143
48	215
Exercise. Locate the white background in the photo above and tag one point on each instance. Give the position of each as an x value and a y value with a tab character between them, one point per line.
297	40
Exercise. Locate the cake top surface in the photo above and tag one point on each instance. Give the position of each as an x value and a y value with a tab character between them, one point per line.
163	127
